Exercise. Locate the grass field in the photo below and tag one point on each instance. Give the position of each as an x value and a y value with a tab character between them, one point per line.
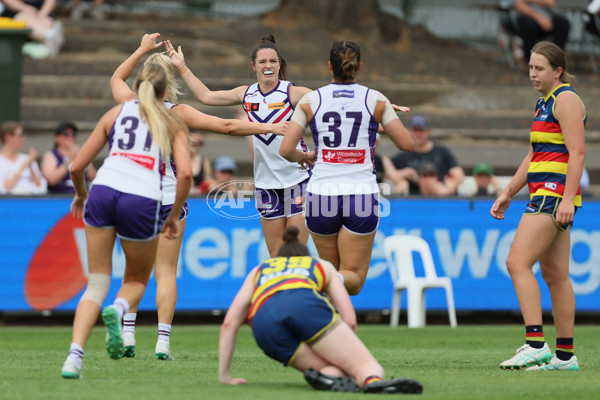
459	363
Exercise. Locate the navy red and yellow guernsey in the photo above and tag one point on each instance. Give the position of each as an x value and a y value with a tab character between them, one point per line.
284	273
547	172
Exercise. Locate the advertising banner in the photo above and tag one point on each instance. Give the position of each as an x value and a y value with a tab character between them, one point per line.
44	254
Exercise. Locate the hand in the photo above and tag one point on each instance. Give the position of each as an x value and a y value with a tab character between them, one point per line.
77	206
149	42
500	206
281	128
234	381
31	156
308	159
401	108
565	212
176	56
171	227
545	23
72	152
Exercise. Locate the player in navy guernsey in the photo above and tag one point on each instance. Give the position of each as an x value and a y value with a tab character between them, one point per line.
302	316
552	170
342	206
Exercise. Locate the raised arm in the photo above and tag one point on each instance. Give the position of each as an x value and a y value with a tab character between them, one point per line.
198	88
121	92
235	317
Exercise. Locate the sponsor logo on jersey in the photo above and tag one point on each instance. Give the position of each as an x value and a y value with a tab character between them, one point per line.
276	106
550	185
251	106
537	112
299	200
343	93
344	156
143	160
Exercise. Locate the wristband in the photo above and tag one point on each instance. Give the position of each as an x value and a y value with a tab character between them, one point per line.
183	69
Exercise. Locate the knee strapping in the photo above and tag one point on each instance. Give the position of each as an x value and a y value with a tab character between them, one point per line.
97	288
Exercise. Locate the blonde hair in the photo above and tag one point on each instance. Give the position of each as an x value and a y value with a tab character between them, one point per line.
173	88
163	124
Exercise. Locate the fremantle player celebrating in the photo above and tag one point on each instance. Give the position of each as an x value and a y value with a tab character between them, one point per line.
342	204
280	184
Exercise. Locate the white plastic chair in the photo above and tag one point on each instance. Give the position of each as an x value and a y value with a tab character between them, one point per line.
399	253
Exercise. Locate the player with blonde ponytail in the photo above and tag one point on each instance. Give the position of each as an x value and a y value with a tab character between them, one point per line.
125	201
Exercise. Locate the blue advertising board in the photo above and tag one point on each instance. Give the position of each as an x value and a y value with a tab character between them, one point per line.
44	265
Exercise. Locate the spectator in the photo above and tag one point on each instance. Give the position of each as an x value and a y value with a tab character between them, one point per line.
56	162
534	20
225	179
44	29
450	174
486	181
201	168
592	17
19	173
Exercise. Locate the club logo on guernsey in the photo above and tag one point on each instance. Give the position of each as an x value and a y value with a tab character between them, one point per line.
344	156
251	106
343	93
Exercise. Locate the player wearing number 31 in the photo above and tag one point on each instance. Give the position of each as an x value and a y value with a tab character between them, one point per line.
342	205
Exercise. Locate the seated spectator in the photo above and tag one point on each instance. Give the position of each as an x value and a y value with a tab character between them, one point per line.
534	20
19	173
225	179
46	31
56	162
407	164
592	17
487	183
386	174
201	168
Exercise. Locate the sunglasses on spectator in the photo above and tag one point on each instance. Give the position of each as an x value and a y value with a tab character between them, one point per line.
197	144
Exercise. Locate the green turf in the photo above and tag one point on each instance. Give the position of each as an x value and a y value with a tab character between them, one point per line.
459	363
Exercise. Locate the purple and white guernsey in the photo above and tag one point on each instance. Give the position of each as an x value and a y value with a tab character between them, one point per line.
344	132
133	162
271	171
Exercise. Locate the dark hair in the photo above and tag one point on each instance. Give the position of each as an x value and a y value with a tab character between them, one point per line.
556	57
268	42
345	59
292	247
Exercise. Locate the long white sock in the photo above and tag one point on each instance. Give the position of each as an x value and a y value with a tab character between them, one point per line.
164	332
122	306
129	322
76	354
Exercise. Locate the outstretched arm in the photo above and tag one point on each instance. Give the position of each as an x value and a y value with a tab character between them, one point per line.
195	119
235	317
121	92
206	96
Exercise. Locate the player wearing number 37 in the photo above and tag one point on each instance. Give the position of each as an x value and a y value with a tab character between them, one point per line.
342	204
